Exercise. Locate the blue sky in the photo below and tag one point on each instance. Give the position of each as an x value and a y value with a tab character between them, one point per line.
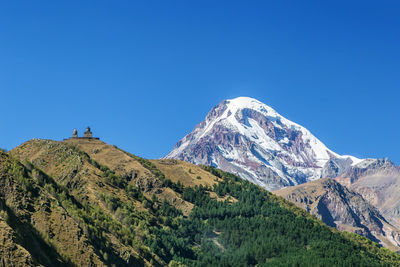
142	74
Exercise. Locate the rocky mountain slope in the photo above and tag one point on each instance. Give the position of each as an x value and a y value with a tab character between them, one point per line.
248	138
82	202
344	209
378	181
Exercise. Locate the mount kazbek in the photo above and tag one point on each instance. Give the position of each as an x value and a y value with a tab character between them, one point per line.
250	139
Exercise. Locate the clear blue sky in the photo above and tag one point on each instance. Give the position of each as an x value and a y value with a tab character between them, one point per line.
142	74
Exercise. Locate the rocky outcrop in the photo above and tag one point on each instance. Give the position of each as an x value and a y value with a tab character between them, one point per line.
378	181
343	209
335	167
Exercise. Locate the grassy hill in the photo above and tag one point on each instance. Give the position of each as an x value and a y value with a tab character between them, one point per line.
87	203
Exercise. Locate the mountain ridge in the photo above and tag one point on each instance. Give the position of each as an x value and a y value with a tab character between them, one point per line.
125	212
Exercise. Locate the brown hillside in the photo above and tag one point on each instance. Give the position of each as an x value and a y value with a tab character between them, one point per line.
38	227
86	180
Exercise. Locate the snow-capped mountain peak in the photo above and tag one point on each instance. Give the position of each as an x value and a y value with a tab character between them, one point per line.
246	137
